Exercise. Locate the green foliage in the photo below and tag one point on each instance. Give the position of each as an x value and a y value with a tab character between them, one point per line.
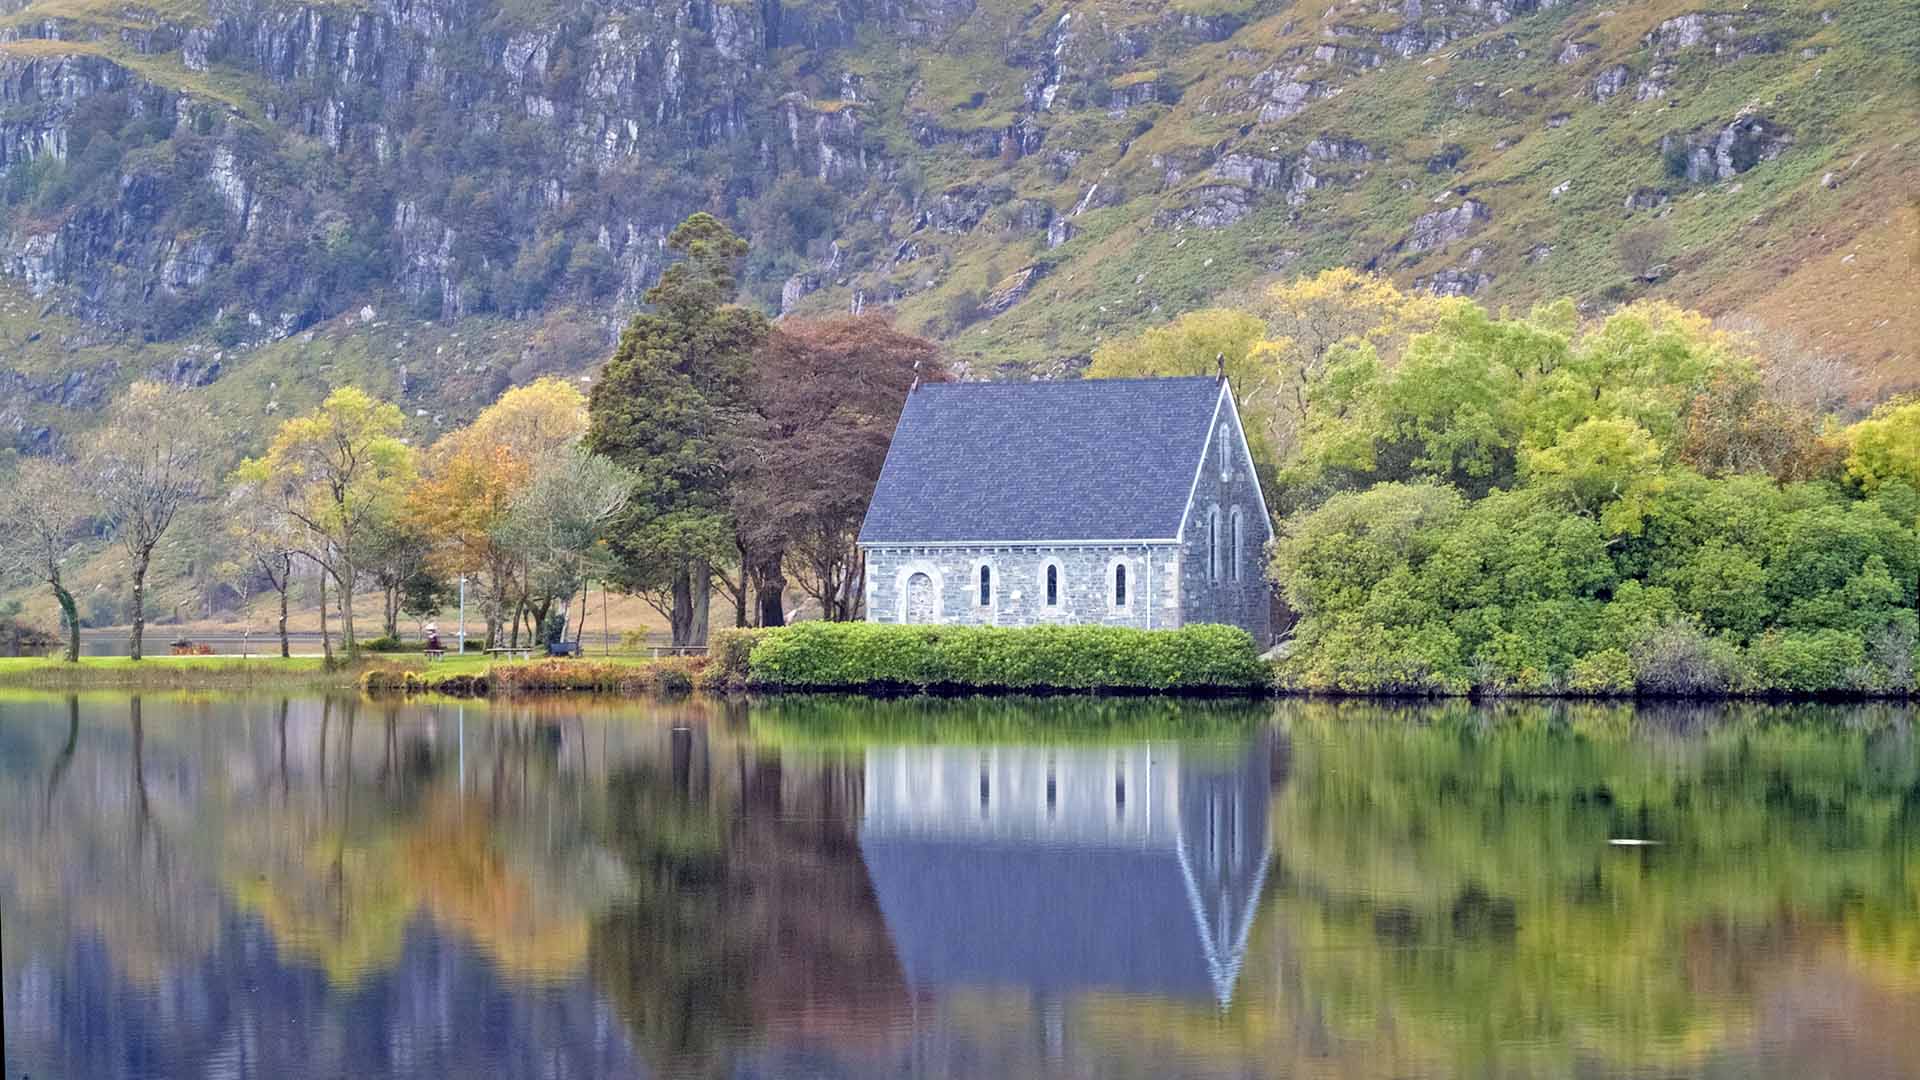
728	652
842	722
1526	518
662	408
1607	673
1886	446
820	655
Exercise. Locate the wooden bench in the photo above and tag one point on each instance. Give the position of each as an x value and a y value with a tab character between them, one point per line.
563	648
513	652
433	654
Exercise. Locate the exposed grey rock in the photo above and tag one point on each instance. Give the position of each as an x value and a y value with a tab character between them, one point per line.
1059	231
1647	199
1455	281
1335	148
1442	227
1010	290
795	289
1723	154
1279	97
1214	206
1571	51
1610	82
1730	35
1030	215
195	367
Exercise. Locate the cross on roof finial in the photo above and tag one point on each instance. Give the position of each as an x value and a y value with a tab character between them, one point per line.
916	377
1220	367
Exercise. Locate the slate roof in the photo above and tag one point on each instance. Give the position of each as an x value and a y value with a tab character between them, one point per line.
1079	459
1045	919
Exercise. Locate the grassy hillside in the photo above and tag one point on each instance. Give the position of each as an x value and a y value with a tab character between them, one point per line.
252	199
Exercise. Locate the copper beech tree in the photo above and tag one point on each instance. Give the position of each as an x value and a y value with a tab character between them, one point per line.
824	396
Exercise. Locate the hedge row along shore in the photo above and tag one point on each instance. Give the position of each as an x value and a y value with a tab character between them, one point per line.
872	657
862	658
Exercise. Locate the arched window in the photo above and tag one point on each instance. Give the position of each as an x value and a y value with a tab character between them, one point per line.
1226	454
1053	585
986	585
1234	539
1120	585
1213	544
922	606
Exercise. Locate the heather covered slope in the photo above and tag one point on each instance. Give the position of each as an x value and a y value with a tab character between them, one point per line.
437	198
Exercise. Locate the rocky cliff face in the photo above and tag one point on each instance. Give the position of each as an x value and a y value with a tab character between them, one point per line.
230	177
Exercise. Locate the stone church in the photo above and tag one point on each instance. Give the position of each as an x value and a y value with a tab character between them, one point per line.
1118	502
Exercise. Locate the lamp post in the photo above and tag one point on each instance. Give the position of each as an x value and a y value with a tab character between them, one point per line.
463	616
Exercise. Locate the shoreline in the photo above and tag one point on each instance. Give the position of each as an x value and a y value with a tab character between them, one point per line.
390	675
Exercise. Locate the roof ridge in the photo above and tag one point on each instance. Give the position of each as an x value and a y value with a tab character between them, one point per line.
1079	380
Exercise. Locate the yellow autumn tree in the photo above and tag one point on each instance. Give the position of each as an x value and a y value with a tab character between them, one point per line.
338	474
1276	349
475	473
1886	446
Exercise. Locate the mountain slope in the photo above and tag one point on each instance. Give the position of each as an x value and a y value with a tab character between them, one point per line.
439	197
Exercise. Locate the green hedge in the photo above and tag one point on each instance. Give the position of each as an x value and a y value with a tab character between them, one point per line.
821	655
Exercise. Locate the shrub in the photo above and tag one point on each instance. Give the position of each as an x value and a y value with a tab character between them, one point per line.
1807	661
1679	659
823	655
674	676
728	652
1607	673
666	676
388	645
401	681
1363	659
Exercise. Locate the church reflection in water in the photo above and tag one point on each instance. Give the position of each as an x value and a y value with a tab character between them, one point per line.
1131	869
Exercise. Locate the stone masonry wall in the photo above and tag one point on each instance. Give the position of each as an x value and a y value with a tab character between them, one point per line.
1240	598
1019	587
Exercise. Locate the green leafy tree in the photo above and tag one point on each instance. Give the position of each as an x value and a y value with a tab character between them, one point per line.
664	407
1886	446
339	474
559	522
1603	469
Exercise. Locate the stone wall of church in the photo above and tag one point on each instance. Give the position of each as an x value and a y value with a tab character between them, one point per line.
1017	594
1228	585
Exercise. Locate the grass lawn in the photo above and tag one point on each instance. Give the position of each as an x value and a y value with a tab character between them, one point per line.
219	672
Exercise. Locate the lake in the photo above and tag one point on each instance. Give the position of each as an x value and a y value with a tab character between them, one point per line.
198	885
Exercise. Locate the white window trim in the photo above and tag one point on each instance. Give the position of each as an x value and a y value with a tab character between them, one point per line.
904	574
1133	583
1040	604
990	609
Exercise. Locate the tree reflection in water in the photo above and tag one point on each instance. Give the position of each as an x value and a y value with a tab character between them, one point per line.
316	887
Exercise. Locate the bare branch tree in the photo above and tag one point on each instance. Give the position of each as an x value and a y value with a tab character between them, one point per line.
153	457
40	512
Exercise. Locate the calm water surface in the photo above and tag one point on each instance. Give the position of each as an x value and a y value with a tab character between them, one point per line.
240	887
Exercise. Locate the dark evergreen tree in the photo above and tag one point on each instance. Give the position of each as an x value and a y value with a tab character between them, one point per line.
664	407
